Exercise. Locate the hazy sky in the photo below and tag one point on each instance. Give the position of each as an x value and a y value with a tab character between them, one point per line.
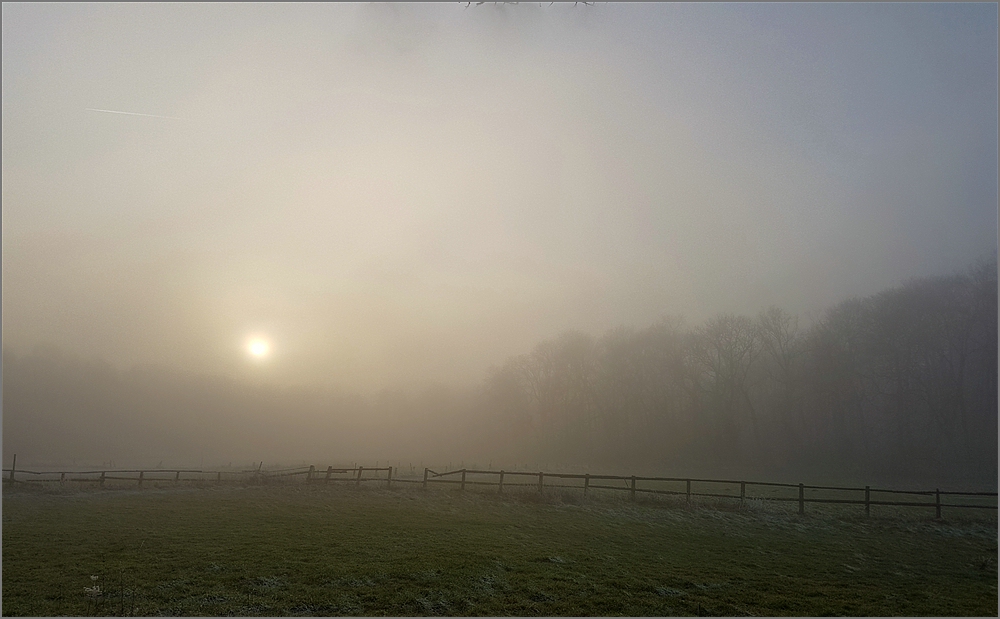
399	194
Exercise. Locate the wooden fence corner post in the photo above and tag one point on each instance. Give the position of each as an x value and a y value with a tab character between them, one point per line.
388	480
501	482
309	475
358	483
178	478
868	499
802	499
937	503
586	484
329	469
425	478
632	498
140	478
102	478
463	480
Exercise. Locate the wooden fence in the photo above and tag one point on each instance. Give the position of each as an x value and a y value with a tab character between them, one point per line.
355	475
740	490
718	488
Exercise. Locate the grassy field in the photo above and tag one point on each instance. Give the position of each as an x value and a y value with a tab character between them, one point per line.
314	550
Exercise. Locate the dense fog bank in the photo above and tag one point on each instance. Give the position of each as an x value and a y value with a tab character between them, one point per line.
61	410
898	387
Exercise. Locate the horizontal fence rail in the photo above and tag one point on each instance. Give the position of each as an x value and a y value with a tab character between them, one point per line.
718	488
355	475
734	489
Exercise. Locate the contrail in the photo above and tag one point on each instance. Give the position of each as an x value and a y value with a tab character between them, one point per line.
90	109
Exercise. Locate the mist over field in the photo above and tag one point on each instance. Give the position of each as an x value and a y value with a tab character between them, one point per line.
685	239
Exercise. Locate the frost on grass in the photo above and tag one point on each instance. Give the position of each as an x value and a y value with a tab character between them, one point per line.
669	592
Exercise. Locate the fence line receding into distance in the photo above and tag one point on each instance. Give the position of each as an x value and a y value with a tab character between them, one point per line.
540	481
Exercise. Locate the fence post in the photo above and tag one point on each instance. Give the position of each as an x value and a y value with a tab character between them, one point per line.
329	470
178	478
309	475
388	480
12	467
102	478
633	488
743	492
358	483
425	478
62	478
218	477
586	484
868	498
463	480
501	482
541	476
937	503
140	479
802	499
688	490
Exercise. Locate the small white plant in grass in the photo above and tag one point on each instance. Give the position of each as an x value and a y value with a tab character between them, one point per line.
94	591
93	594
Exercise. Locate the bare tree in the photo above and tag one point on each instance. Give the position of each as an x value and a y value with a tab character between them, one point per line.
727	347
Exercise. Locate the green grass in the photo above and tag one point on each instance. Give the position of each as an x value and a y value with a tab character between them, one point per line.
311	550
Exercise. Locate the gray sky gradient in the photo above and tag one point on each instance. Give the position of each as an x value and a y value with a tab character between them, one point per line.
402	194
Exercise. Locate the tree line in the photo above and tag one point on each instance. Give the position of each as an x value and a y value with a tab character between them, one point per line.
899	385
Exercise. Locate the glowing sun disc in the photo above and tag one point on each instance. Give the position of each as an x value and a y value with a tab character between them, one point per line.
258	348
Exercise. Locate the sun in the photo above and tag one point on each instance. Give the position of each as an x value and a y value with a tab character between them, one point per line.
258	348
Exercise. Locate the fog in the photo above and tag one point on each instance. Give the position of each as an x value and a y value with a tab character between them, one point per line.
402	201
